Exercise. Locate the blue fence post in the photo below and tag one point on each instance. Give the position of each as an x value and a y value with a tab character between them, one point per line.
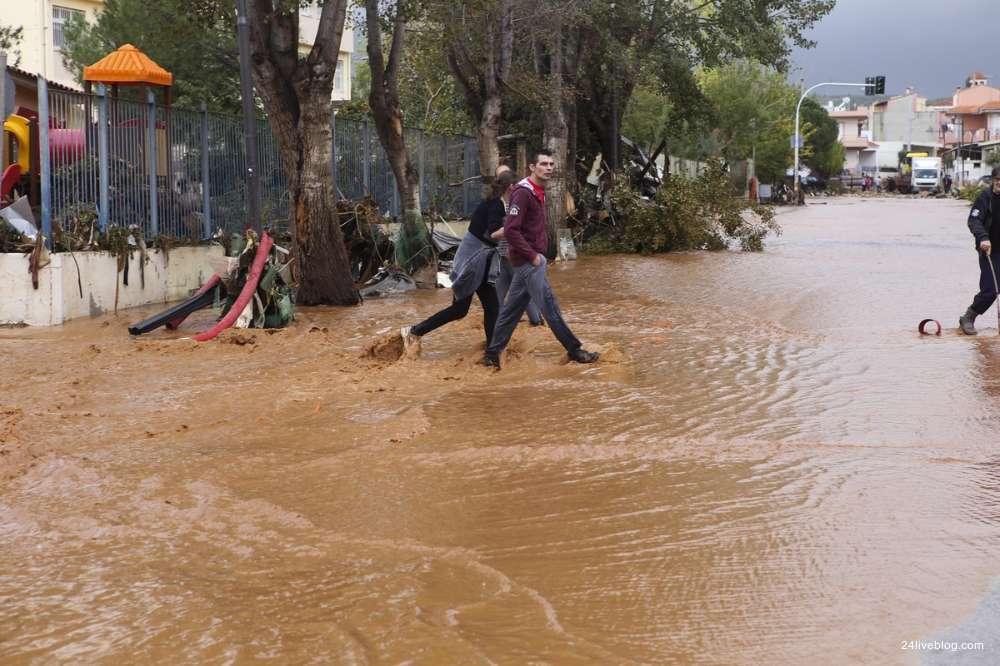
206	201
43	154
151	154
102	156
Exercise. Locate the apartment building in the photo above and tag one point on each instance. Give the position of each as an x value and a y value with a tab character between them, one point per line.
43	21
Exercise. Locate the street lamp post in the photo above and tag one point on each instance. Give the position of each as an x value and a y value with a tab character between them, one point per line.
249	119
796	139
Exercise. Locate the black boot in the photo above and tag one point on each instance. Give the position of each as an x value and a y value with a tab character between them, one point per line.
581	355
490	360
967	322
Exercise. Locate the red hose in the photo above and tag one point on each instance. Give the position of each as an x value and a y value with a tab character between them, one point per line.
212	281
256	269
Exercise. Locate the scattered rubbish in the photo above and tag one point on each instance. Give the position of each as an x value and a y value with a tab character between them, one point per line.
18	215
567	249
388	280
252	292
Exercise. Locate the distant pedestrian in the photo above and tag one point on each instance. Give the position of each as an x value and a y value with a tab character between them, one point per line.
475	268
525	230
947	184
982	220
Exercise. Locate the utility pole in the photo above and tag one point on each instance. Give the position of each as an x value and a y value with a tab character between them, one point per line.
249	119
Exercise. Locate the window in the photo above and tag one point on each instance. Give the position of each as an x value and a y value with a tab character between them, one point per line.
338	76
60	17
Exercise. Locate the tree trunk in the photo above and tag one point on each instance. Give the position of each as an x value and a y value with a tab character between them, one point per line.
556	139
296	95
413	249
486	139
320	251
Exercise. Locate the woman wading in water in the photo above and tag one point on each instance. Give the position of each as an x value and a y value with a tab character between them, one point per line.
475	269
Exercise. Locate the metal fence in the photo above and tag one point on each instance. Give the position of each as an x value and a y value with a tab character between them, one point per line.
182	173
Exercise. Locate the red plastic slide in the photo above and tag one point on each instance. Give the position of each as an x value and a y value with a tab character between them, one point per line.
256	269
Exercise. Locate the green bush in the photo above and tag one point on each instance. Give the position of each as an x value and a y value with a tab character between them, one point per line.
700	213
970	192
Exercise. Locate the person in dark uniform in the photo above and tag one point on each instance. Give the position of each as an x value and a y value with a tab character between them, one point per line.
987	234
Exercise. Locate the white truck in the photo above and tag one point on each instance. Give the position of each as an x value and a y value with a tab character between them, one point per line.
926	174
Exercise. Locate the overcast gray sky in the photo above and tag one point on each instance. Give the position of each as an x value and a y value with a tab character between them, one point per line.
932	45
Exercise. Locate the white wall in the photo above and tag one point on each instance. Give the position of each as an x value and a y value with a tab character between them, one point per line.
38	53
57	298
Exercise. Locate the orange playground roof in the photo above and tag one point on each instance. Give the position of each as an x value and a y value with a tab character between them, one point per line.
127	65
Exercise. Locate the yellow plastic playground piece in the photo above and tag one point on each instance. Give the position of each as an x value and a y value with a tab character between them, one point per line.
18	126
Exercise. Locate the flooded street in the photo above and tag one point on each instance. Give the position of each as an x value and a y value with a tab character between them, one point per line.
769	466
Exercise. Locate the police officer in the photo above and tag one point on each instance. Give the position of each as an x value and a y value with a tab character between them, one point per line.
981	224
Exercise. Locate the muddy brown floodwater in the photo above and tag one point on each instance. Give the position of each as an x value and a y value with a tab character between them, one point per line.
770	467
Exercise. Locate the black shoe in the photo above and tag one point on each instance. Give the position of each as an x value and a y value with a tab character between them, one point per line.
490	361
581	355
967	322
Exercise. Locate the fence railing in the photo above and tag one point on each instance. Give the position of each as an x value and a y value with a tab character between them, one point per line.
181	173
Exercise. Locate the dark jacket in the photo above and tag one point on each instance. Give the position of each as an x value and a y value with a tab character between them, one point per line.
487	218
981	216
524	227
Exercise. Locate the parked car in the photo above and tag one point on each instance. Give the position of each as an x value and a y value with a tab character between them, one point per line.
985	181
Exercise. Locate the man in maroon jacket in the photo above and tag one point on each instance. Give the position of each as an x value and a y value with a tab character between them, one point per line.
524	229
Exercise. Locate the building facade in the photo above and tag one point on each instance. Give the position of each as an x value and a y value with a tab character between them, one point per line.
972	129
42	22
855	135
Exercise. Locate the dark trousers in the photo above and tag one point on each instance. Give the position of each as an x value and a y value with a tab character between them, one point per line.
987	292
504	279
530	285
459	307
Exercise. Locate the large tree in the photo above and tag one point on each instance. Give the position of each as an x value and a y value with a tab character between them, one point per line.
626	37
413	247
296	92
556	44
479	46
753	111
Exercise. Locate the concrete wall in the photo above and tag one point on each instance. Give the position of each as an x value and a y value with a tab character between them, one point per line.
57	298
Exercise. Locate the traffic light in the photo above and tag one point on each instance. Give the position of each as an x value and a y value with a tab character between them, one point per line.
869	86
879	85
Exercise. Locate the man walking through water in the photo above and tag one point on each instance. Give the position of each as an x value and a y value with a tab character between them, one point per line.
982	224
524	229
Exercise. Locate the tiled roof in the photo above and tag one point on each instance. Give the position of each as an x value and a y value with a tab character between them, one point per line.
24	74
127	65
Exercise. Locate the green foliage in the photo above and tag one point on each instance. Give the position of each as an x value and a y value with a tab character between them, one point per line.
992	157
970	192
686	214
646	119
193	39
753	107
820	132
10	40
